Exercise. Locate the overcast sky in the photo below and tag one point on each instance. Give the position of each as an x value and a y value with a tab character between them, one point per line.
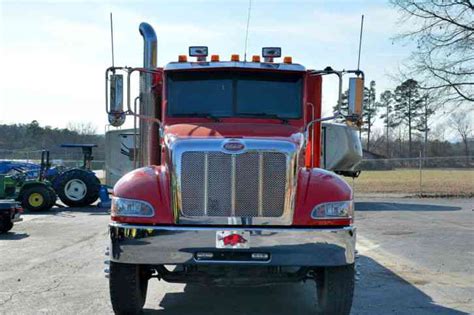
53	54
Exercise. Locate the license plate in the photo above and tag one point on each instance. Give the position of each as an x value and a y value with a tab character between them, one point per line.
233	239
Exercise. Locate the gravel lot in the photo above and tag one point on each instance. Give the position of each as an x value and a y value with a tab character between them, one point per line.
415	257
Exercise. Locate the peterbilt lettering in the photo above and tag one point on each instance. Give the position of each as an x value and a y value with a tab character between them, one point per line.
228	177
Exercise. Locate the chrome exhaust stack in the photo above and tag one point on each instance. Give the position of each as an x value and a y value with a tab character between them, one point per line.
147	129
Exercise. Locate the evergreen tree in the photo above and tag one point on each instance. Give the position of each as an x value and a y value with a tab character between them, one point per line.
369	112
344	104
386	104
408	107
427	110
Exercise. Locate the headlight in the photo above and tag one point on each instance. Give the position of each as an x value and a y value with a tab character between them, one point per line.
330	210
122	207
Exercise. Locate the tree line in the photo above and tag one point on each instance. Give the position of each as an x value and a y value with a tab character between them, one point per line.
21	141
408	114
435	91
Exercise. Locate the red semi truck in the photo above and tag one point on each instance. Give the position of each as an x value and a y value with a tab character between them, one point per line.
227	187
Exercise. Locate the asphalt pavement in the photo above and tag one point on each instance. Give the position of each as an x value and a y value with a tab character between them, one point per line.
416	256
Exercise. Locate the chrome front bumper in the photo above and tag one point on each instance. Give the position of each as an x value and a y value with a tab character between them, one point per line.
156	245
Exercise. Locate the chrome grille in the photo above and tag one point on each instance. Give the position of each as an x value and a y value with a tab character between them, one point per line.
218	184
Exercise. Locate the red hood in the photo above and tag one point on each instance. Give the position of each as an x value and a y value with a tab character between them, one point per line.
233	130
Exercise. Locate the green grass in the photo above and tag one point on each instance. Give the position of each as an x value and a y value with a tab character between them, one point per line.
451	182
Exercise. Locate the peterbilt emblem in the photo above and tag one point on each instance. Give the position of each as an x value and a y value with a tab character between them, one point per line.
234	146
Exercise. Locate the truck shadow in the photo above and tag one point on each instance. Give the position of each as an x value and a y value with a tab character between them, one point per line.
378	291
400	206
13	236
69	211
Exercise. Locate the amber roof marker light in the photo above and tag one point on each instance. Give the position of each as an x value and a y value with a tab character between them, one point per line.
182	58
255	58
235	57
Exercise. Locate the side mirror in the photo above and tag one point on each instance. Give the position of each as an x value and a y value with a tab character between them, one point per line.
116	113
356	98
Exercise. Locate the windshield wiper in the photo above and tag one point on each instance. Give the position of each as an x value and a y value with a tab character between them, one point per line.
203	115
274	116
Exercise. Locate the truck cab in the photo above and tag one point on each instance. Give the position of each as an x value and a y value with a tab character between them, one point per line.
228	188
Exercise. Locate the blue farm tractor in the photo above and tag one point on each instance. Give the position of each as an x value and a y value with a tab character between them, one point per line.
76	187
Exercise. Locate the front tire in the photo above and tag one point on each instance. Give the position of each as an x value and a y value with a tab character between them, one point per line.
36	198
335	289
128	285
6	223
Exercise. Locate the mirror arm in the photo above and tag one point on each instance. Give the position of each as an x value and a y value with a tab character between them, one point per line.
129	74
134	112
129	111
339	74
338	113
311	123
129	71
356	72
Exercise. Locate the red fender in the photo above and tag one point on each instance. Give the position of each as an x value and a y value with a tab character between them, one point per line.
316	186
150	184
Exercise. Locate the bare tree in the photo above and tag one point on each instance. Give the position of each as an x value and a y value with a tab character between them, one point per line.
82	128
444	35
462	124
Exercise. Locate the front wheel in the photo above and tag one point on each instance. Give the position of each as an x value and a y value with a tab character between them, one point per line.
334	289
128	285
36	198
6	223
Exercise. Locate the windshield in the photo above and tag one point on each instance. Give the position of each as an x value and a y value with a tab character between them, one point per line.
230	94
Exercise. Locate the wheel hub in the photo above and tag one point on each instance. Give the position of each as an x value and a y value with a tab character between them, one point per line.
75	189
35	200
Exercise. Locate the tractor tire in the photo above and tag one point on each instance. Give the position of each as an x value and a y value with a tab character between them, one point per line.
6	223
128	286
78	188
52	196
36	198
335	289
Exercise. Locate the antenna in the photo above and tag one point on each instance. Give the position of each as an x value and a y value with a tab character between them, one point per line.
112	37
247	32
360	40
